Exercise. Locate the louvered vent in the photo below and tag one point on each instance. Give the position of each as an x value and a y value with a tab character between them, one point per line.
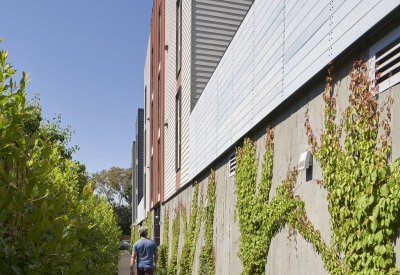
388	60
232	164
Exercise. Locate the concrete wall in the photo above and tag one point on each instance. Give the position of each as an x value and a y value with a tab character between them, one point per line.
287	255
226	233
185	198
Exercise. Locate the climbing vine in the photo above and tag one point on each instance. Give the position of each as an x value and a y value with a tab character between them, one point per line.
135	230
147	222
251	207
173	262
260	218
163	248
134	236
191	233
363	186
207	254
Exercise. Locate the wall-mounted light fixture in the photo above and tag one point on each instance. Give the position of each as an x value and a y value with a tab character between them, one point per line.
166	47
305	160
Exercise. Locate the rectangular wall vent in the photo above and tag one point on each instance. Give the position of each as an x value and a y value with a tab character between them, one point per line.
388	60
232	164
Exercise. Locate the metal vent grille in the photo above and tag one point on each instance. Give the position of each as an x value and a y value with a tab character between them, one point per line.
232	164
388	60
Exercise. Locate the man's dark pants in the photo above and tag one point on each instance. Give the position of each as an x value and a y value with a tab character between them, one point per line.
145	271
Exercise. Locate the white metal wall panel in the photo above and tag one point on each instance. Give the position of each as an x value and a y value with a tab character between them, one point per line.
186	85
348	22
170	98
211	123
141	212
292	9
304	25
146	104
279	46
371	11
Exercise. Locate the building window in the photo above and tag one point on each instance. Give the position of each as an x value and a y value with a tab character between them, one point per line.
159	36
159	167
151	126
151	179
232	164
152	71
178	36
159	102
137	183
144	189
145	104
156	222
178	130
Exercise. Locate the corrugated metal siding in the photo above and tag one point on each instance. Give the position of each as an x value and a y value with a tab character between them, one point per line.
170	93
279	46
186	86
140	152
146	105
214	23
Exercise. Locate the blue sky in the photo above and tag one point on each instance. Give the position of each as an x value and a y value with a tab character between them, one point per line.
85	59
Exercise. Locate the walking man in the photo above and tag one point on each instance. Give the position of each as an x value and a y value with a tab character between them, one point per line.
144	252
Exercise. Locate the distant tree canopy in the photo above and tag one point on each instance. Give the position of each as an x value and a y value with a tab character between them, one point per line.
124	218
115	184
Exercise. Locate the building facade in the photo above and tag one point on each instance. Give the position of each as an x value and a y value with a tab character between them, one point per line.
197	33
134	183
228	70
138	181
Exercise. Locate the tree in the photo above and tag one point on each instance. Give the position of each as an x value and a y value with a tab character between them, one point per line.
104	234
54	133
45	195
37	199
124	217
115	183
